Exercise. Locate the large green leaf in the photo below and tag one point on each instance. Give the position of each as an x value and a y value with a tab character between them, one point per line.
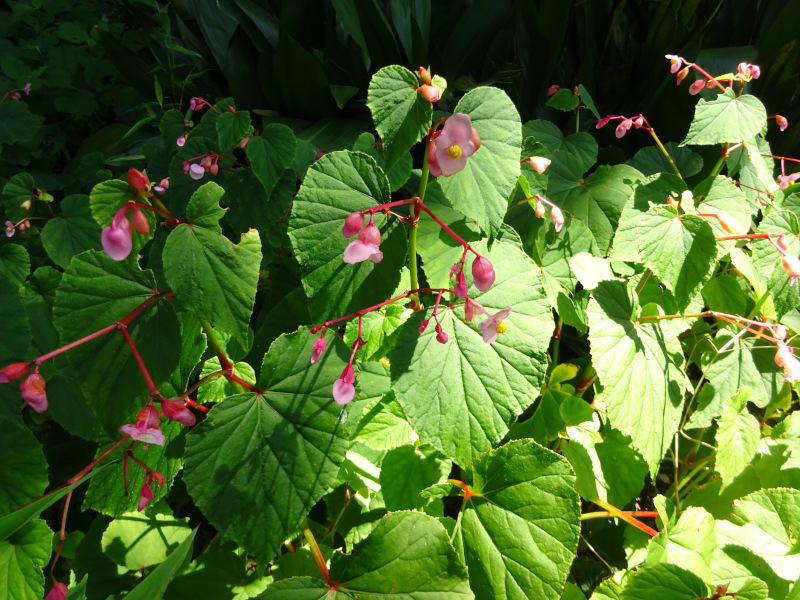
767	259
24	474
680	250
198	252
271	153
461	396
521	529
15	328
155	584
666	582
726	119
482	189
232	128
335	186
73	232
259	462
402	115
721	196
640	367
22	558
137	539
737	437
408	555
406	471
689	543
15	263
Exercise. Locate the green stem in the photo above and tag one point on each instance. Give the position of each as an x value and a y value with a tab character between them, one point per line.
214	343
664	150
412	237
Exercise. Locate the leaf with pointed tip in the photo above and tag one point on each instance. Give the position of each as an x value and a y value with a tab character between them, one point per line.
22	558
271	153
406	471
666	582
402	115
462	396
73	232
24	474
483	187
726	119
689	543
640	367
259	462
521	528
15	262
232	128
737	437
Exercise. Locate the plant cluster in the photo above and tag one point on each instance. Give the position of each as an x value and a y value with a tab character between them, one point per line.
508	372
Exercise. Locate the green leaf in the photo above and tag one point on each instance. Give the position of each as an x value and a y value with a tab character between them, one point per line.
640	367
726	119
767	259
402	116
258	463
17	123
107	197
197	251
564	99
689	543
521	528
155	584
384	425
737	437
271	153
72	233
483	187
24	474
335	186
406	471
17	190
137	540
461	396
650	160
22	558
232	128
15	329
722	196
665	582
15	263
680	250
217	389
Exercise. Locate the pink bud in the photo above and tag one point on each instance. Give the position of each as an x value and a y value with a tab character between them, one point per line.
476	139
193	104
164	183
461	288
539	209
558	217
343	388
137	179
146	494
792	265
186	167
539	163
553	89
482	273
244	142
782	122
117	240
181	140
33	392
469	310
430	93
213	169
682	74
57	592
696	86
370	234
175	410
424	76
441	336
319	347
14	371
639	121
424	326
353	224
140	222
623	128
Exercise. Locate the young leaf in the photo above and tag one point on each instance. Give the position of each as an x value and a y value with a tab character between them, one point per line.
726	119
24	474
406	471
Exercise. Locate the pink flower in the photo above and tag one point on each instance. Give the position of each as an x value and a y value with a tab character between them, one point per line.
461	288
749	70
147	494
10	228
449	151
557	216
181	140
59	590
482	273
539	163
785	359
697	86
196	171
353	224
146	427
785	181
782	122
365	247
792	265
117	239
33	392
175	410
429	92
676	62
27	90
319	347
14	371
343	388
623	127
493	325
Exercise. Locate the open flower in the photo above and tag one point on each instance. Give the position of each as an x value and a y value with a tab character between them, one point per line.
365	247
784	181
117	239
493	325
33	392
449	151
482	273
175	410
343	388
196	171
676	62
146	428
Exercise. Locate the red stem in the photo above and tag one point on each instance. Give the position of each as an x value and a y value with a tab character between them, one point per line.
626	517
319	558
142	367
446	228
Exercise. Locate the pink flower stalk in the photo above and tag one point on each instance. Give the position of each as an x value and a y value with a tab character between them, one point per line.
784	181
146	428
175	410
493	325
343	388
196	171
33	392
448	152
365	247
676	62
461	289
353	224
792	265
117	239
59	590
319	347
538	163
482	273
14	371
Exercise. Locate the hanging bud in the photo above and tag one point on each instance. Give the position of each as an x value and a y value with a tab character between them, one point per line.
782	122
482	273
539	163
697	86
353	224
140	222
175	410
138	179
539	210
424	76
14	371
792	265
213	169
33	392
461	288
557	216
424	326
469	310
319	347
682	74
441	336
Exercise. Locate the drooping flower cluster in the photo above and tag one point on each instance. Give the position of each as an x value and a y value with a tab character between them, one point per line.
146	428
555	213
450	148
366	247
32	388
625	123
208	163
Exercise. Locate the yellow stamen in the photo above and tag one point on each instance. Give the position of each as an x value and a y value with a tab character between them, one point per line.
454	151
501	327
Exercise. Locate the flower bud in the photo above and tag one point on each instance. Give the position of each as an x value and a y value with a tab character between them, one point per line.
353	224
780	331
792	265
424	326
319	347
26	205
441	336
214	168
244	142
164	183
539	163
370	234
476	139
117	240
424	76
783	242
469	310
682	74
782	122
623	128
729	224
558	217
33	392
137	179
140	222
461	288
430	93
14	371
553	89
181	140
482	273
175	410
696	86
539	210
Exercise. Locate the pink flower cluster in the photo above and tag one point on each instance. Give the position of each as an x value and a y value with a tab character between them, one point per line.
555	213
366	247
626	123
209	163
428	91
450	148
32	388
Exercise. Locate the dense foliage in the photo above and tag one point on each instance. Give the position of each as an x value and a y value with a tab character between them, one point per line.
444	351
